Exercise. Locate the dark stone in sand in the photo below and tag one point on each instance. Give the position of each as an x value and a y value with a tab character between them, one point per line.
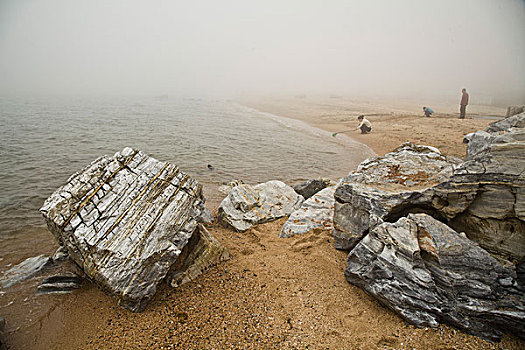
310	187
2	339
60	283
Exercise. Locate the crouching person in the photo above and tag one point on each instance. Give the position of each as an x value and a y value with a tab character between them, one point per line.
364	125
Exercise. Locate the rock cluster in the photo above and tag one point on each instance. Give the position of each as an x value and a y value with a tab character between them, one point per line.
403	217
125	220
385	188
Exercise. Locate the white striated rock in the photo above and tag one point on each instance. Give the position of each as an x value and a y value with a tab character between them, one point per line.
246	206
429	274
316	212
125	220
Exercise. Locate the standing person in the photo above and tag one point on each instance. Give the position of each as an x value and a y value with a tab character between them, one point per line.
463	104
428	111
364	125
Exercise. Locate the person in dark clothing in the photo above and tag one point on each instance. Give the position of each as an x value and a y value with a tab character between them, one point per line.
463	104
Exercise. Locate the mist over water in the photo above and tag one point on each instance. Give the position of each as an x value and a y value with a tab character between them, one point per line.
43	142
229	48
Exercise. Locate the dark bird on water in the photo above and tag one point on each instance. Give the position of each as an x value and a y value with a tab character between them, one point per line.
210	167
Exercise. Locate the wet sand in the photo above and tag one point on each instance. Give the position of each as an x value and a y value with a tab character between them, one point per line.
274	293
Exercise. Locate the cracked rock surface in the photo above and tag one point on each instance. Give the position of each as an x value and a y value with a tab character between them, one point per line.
384	187
316	212
429	274
246	206
125	220
474	282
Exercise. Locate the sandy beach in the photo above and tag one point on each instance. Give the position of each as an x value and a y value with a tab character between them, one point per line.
275	293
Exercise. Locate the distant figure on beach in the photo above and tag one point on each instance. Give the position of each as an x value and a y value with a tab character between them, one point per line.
428	111
463	104
364	125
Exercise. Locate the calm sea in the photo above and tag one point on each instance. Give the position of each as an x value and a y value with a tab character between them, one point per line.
43	142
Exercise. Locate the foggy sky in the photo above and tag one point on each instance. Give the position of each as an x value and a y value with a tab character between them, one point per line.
229	48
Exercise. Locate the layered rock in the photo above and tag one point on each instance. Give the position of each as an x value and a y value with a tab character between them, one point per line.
125	220
202	251
385	187
60	283
24	270
404	241
484	198
513	121
428	274
246	206
315	212
512	110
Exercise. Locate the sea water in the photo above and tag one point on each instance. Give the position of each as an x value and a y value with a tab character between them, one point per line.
44	141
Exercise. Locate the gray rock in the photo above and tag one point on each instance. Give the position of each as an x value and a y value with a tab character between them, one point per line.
315	212
125	220
246	206
60	283
484	197
512	110
24	270
429	274
383	187
202	251
477	142
514	121
310	187
61	254
206	217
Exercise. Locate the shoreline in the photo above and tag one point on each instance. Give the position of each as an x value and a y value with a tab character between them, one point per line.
393	122
273	293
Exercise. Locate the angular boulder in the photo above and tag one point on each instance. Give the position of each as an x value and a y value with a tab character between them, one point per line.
125	220
315	212
246	206
483	197
382	188
428	274
513	121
